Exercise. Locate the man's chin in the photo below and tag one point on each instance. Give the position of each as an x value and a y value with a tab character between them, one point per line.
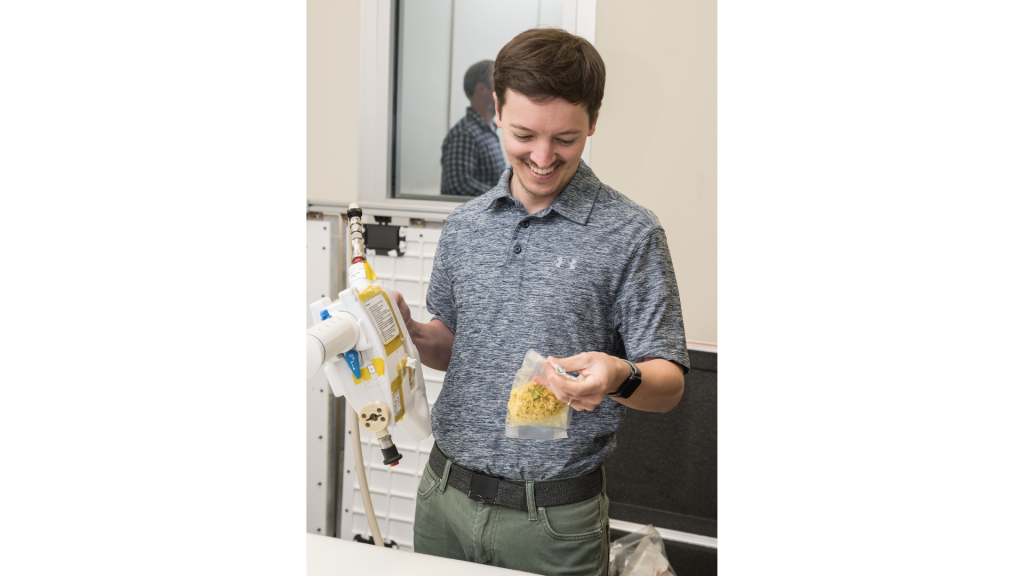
535	189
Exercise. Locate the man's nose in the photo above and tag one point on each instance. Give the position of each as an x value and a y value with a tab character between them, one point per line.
543	155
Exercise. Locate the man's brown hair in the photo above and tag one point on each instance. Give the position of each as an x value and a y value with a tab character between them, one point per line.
547	63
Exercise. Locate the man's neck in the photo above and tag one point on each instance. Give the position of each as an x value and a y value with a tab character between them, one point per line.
482	108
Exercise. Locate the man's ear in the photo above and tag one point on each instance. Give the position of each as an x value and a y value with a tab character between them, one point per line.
497	111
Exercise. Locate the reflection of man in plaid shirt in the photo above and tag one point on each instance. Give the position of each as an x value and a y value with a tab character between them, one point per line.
471	157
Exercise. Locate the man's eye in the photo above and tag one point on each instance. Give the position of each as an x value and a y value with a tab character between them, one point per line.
567	142
518	137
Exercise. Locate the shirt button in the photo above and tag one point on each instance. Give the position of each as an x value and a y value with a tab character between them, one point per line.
526	224
517	249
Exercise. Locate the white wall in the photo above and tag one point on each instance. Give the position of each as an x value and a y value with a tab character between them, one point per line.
657	139
332	99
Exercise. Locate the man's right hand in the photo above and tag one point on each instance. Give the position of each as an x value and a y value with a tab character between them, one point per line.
403	308
433	340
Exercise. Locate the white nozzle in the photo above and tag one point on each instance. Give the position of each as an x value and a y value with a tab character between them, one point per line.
315	356
324	341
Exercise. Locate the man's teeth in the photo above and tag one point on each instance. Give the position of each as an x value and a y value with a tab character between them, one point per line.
542	172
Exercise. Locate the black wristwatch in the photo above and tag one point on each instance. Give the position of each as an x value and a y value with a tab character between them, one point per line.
631	383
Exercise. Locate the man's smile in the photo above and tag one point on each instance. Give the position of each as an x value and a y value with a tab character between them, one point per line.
539	173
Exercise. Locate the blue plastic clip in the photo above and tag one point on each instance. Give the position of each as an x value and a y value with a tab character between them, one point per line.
324	315
352	358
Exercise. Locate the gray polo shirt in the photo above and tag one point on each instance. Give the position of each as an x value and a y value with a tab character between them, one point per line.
591	272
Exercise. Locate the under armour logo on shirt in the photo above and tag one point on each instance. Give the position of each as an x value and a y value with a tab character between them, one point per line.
572	263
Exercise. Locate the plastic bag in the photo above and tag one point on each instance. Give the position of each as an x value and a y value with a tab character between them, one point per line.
533	411
641	553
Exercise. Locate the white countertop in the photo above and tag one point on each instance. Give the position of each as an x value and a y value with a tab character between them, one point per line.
334	557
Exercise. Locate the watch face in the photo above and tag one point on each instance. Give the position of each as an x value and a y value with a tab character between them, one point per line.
628	387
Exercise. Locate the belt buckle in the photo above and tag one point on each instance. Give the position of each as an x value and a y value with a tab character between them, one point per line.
483	488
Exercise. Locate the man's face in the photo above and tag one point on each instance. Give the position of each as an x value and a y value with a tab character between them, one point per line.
544	142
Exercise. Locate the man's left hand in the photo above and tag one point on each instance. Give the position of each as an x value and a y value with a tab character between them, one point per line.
600	374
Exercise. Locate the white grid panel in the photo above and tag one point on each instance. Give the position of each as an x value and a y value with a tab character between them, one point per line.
410	274
321	280
393	489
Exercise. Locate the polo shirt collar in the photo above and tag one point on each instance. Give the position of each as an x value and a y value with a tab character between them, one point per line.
500	190
575	202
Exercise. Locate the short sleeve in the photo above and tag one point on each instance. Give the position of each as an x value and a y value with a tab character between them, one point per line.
440	292
650	318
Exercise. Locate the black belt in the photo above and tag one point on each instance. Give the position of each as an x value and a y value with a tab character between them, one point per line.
512	493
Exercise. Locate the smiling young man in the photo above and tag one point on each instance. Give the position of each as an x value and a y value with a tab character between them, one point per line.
554	260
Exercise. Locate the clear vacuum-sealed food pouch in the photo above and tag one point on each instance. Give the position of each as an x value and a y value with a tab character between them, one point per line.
533	411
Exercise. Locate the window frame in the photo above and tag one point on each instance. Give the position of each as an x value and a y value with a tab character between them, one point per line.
377	46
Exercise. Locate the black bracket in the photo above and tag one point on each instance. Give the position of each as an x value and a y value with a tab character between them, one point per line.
483	488
387	543
382	238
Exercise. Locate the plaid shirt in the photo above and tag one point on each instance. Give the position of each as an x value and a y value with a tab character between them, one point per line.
471	158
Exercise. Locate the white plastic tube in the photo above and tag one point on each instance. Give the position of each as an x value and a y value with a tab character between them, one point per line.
357	449
326	339
315	355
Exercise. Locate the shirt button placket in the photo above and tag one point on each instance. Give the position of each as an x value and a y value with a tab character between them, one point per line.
524	224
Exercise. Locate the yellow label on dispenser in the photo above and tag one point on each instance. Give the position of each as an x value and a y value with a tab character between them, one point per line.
378	366
364	376
397	396
361	271
369	271
382	313
393	345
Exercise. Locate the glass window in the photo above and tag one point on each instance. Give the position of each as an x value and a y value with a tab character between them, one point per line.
445	143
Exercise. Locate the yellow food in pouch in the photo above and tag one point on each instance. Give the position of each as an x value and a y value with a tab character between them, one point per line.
534	405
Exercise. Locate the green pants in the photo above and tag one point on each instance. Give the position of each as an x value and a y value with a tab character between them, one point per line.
566	540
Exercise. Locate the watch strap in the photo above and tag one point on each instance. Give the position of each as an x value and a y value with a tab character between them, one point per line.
631	383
